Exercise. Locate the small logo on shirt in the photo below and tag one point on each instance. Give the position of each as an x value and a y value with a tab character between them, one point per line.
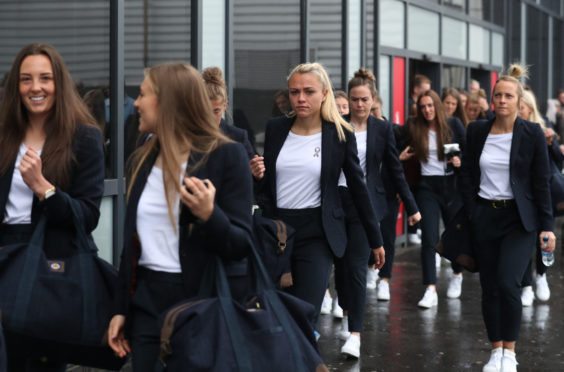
317	150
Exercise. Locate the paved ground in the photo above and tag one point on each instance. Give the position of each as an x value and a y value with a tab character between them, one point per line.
450	337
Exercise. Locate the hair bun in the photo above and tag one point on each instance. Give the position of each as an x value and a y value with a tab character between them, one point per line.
517	71
213	75
364	74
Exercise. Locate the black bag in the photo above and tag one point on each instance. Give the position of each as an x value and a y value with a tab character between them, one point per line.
557	190
272	332
274	240
58	308
456	242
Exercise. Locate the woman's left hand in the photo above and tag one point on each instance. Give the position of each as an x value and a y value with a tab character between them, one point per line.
31	170
551	245
200	199
379	257
455	161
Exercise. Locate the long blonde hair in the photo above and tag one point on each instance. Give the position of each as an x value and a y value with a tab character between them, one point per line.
184	121
329	111
530	100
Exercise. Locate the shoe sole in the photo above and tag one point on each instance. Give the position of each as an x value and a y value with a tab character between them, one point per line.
350	354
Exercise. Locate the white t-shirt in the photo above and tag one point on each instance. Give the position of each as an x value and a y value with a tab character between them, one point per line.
361	138
433	166
159	240
298	172
20	198
494	167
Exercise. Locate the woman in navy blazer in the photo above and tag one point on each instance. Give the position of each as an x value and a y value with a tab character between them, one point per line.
376	147
51	154
206	212
505	186
437	196
303	158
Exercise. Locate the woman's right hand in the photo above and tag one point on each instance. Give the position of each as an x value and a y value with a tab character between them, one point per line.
116	339
406	154
257	167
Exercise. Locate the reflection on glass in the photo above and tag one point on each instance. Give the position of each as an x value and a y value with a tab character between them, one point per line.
423	31
497	49
325	37
453	77
267	46
476	8
213	34
392	21
384	85
455	4
354	41
479	44
454	38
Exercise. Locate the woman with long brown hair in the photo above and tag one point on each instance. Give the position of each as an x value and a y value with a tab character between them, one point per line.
429	132
189	198
453	105
50	155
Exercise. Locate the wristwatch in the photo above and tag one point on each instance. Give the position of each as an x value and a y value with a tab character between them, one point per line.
50	192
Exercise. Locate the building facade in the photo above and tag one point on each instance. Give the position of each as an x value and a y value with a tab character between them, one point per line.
108	43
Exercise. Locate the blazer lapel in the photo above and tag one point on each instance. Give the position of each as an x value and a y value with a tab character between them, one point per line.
327	136
5	184
139	185
515	142
279	134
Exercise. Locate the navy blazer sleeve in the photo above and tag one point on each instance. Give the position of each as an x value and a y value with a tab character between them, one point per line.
228	230
395	168
87	182
540	181
359	192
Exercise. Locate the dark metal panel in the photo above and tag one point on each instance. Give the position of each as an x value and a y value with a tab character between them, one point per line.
344	44
196	33
304	31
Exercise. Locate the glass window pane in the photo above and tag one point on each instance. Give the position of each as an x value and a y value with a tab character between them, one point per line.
354	41
213	34
453	77
325	37
384	85
553	5
479	44
459	5
454	38
499	13
476	8
370	34
392	22
423	31
104	231
497	49
267	46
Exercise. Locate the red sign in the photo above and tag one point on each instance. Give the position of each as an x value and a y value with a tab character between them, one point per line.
398	113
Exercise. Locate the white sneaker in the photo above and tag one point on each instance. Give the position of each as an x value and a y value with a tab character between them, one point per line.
419	233
352	347
494	364
429	299
413	239
371	277
455	286
527	296
337	310
437	261
326	305
542	292
343	332
383	290
508	362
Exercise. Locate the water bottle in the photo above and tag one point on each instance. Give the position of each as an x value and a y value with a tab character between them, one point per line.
547	257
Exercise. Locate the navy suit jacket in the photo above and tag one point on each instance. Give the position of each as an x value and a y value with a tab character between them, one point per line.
226	233
86	187
382	153
529	172
335	155
238	135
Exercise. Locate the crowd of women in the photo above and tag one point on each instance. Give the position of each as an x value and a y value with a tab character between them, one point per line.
336	177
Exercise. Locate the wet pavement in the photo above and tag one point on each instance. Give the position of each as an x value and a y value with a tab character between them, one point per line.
399	336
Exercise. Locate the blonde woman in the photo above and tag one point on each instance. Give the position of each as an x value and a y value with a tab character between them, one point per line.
505	186
176	223
304	153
